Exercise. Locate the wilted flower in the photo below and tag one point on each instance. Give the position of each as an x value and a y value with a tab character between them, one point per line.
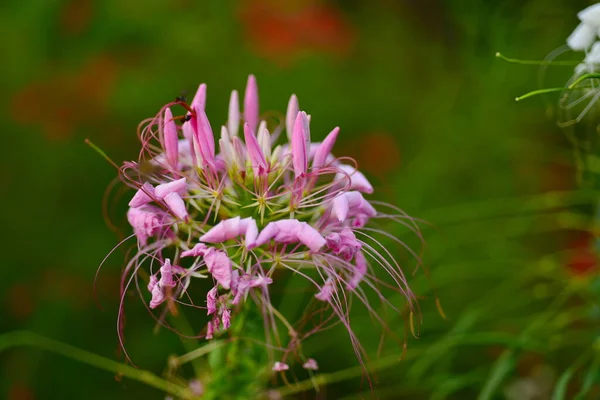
237	215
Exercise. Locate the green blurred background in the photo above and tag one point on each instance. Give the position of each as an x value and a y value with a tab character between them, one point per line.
424	107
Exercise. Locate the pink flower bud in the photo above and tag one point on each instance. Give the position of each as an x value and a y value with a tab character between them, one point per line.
251	103
290	118
199	100
324	149
299	142
257	158
233	121
170	141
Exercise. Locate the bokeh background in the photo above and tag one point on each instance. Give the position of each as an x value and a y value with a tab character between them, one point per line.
424	107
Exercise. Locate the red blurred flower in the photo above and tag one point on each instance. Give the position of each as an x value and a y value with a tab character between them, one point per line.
67	100
281	31
582	259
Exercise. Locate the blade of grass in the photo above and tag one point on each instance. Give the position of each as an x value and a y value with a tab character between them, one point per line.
25	338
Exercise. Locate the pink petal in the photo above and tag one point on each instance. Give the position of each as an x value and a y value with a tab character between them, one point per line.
211	301
299	140
210	330
265	235
199	100
340	207
197	250
142	196
292	112
360	271
225	230
157	297
166	275
176	205
219	265
226	319
326	291
343	243
257	158
178	186
357	180
205	137
324	149
171	143
251	232
152	283
251	103
310	237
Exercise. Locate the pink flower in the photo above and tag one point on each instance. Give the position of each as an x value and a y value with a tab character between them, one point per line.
279	366
344	243
253	209
311	365
147	221
326	291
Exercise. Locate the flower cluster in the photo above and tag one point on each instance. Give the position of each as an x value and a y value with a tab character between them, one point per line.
584	38
236	216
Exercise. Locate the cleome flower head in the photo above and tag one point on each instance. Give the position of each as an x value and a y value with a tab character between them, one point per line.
237	209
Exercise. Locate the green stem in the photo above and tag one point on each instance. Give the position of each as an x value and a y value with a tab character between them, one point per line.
540	91
199	352
536	62
25	338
